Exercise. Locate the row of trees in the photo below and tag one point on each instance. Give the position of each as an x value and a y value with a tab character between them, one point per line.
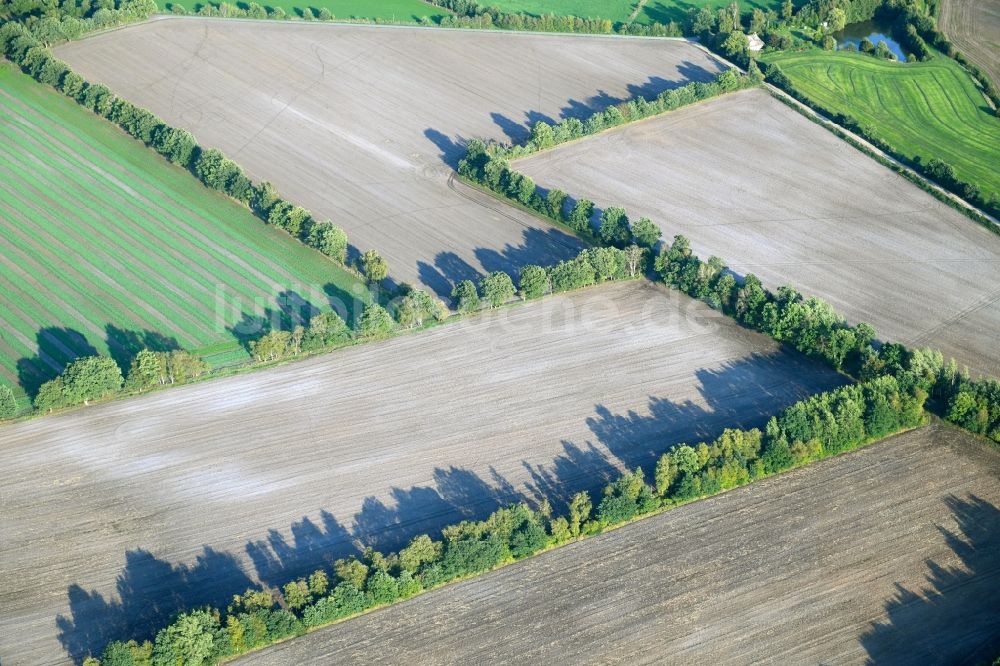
813	327
97	377
179	146
821	426
810	325
471	14
546	135
591	266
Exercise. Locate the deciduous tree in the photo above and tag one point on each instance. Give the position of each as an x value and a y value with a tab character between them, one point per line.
497	288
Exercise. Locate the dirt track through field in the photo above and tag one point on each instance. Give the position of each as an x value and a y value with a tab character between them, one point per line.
112	517
974	27
887	555
749	180
363	124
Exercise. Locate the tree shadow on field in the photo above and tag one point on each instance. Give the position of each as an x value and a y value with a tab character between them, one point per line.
516	130
448	270
291	309
124	344
677	11
278	560
956	618
149	592
738	394
452	150
539	246
57	348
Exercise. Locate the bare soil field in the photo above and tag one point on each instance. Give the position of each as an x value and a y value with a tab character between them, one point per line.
750	180
113	517
363	124
885	556
974	27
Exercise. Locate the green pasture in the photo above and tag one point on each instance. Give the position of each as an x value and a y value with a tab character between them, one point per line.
653	11
927	109
106	246
615	10
664	11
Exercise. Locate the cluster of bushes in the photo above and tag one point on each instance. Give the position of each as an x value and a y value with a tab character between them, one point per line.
98	377
52	22
973	404
812	429
471	14
591	266
211	167
821	426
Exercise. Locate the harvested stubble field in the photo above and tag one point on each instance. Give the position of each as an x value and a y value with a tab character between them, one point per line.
974	27
363	124
114	516
103	239
886	556
748	179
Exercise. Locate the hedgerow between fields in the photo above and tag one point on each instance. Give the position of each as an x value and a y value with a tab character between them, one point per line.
894	385
813	429
810	325
97	378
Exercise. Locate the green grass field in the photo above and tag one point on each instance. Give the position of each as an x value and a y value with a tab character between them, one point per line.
927	109
664	11
661	11
388	10
105	241
615	10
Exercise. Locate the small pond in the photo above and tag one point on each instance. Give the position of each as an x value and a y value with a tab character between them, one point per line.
875	32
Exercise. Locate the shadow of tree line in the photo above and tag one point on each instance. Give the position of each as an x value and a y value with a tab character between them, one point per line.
517	130
956	618
150	591
60	346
